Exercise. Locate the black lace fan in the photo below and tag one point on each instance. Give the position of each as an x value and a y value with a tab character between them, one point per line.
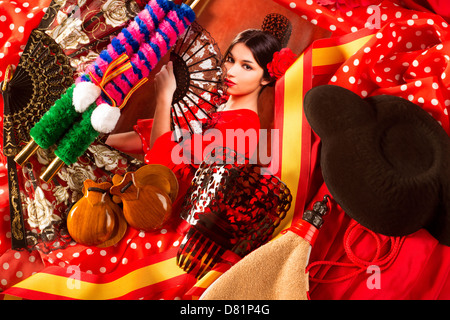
71	34
197	67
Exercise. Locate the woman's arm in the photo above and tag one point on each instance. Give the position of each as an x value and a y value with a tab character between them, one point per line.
165	86
128	142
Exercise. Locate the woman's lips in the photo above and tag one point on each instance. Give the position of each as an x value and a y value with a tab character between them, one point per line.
229	83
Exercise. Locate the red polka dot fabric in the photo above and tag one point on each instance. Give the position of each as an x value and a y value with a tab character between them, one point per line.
408	57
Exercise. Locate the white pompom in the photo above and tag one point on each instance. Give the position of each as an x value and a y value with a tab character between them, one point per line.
104	118
84	94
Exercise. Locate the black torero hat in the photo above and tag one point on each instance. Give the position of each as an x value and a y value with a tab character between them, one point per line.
385	161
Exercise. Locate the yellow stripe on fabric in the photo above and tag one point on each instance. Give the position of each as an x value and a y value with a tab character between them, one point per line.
208	279
292	133
9	297
59	285
337	54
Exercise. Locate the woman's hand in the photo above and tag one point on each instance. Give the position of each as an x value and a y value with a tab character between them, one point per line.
165	85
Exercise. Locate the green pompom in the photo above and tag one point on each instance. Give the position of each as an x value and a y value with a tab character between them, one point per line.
76	141
56	121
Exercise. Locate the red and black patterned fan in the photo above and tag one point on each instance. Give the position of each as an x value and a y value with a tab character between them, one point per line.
197	67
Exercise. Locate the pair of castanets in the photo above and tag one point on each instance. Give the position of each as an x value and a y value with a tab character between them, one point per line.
142	199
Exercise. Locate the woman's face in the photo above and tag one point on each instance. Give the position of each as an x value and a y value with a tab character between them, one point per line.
244	74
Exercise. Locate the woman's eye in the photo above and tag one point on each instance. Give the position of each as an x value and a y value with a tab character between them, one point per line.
230	59
247	67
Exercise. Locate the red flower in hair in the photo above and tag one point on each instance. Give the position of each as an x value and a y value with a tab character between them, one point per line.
281	61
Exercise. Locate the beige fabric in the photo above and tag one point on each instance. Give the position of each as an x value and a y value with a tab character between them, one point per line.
275	271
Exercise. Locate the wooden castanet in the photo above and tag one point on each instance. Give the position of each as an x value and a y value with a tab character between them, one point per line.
95	219
158	176
145	207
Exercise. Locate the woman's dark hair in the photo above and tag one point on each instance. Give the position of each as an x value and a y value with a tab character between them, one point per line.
261	43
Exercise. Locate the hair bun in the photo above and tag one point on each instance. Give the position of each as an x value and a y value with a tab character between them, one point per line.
279	26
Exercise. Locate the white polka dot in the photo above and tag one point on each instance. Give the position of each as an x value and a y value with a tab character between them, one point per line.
354	29
352	80
309	2
403	87
103	253
439	47
133	245
408	45
25	4
176	243
21	29
30	15
318	11
447	103
349	13
32	259
141	234
430	22
6	266
333	27
148	245
410	22
333	79
379	35
2	18
427	69
7	44
378	79
313	21
1	35
387	69
410	97
163	231
17	255
124	261
364	93
292	5
89	251
367	49
418	83
444	24
398	14
4	282
17	10
443	75
159	244
356	62
11	26
102	269
415	63
19	274
435	86
345	68
113	259
434	102
421	100
76	255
